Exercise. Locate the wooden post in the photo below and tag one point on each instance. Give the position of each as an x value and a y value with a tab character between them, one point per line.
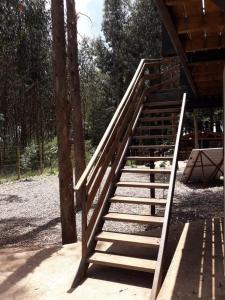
224	149
18	162
152	179
195	130
41	156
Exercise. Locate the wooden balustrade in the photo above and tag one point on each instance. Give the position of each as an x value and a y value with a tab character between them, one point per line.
104	167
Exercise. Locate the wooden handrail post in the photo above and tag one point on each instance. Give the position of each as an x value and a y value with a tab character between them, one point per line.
161	254
224	153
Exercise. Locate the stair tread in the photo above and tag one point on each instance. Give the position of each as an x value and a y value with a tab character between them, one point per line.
138	200
124	262
160	110
156	119
163	103
134	218
142	184
128	238
154	136
143	158
146	170
156	127
151	146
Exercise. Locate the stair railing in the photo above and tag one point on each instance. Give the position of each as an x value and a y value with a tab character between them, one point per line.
103	170
157	282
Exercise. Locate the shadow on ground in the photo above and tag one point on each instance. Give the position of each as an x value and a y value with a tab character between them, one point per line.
15	226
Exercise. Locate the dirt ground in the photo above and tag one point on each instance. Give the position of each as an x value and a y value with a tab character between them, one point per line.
29	214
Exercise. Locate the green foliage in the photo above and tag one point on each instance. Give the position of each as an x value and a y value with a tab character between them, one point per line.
89	150
29	158
131	32
51	153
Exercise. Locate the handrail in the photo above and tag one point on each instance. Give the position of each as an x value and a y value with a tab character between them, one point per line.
144	63
161	254
109	155
110	126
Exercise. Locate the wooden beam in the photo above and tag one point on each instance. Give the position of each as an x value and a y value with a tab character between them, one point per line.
203	44
213	22
180	2
207	77
163	11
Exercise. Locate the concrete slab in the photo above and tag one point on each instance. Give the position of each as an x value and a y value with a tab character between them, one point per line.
196	271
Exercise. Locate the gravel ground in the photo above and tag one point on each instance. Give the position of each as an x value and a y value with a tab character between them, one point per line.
29	213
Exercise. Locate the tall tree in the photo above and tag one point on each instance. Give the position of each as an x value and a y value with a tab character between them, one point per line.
77	117
62	123
115	20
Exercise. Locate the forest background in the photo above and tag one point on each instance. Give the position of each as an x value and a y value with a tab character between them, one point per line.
131	30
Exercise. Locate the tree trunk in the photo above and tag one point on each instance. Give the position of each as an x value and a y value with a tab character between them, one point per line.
62	124
77	117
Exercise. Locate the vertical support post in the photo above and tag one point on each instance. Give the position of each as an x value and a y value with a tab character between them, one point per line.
18	162
195	130
224	156
152	180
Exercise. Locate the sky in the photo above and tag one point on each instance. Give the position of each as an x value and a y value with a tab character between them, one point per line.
90	17
93	9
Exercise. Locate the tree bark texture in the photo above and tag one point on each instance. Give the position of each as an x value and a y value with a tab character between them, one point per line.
77	116
62	124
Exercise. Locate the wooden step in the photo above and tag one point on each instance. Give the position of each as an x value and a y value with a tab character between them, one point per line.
137	200
156	127
156	185
151	136
149	158
146	171
151	146
163	103
156	119
124	262
134	218
161	110
130	239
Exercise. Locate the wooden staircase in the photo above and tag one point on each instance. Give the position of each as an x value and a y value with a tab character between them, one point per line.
134	166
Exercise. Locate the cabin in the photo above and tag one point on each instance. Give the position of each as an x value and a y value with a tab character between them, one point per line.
144	139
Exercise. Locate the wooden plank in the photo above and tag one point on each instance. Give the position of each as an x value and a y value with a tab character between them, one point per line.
179	2
203	44
214	22
142	184
155	119
146	170
149	158
156	127
153	136
138	200
123	262
151	147
134	218
130	239
159	111
163	103
170	27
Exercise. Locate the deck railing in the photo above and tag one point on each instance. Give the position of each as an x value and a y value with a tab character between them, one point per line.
161	254
103	170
